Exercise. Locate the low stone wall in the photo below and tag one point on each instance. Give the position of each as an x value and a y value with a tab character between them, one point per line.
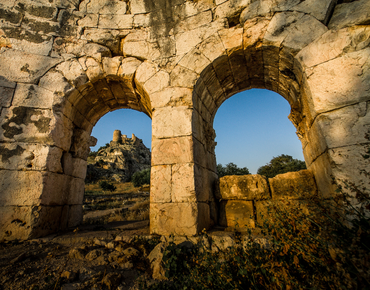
244	198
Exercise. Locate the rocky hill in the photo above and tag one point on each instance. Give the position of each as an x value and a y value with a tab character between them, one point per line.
119	159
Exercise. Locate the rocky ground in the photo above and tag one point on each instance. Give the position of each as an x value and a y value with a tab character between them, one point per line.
103	253
104	257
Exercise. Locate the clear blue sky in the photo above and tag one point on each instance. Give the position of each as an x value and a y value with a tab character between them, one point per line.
251	127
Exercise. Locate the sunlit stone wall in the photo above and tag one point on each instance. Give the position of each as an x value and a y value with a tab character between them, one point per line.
65	64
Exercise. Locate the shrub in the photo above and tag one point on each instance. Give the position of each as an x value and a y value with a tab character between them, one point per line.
231	169
104	185
141	177
281	164
319	244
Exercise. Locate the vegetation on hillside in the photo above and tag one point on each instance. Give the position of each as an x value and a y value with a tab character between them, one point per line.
231	169
281	164
141	177
107	186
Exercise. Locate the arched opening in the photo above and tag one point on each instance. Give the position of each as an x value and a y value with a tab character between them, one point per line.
82	109
257	66
252	127
117	182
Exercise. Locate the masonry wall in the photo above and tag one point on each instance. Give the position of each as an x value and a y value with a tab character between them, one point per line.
244	200
64	64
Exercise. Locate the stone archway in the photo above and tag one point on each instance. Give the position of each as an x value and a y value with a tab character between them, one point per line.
61	69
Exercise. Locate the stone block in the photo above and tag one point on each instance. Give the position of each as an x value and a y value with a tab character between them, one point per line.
138	7
347	81
243	187
158	82
14	183
96	51
350	14
116	21
6	83
204	217
293	185
194	21
172	150
212	47
54	81
80	147
128	67
141	20
320	9
33	96
232	38
334	43
75	215
160	183
347	164
169	122
111	65
321	167
145	71
183	183
27	222
173	96
6	96
55	189
188	40
67	163
21	156
316	143
183	77
19	66
195	61
90	20
73	72
15	222
254	31
174	218
206	183
280	26
76	191
306	30
79	168
345	126
237	214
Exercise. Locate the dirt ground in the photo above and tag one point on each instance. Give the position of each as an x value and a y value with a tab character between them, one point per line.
91	257
103	253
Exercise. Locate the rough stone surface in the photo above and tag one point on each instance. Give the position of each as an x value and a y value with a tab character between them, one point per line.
120	160
236	214
243	187
293	185
65	64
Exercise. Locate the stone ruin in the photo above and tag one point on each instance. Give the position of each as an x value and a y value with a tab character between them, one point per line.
66	63
118	138
120	160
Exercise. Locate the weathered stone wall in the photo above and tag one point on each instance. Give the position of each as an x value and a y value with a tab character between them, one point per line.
244	199
66	63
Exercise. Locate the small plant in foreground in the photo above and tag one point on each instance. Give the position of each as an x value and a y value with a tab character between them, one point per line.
311	244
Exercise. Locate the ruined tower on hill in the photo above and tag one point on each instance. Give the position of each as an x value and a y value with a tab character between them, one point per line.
119	160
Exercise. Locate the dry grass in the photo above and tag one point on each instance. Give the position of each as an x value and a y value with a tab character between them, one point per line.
126	187
138	212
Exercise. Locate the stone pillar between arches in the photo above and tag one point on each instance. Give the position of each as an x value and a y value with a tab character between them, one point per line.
180	200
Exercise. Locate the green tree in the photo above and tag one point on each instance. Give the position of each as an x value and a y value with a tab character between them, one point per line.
104	185
231	169
281	164
141	177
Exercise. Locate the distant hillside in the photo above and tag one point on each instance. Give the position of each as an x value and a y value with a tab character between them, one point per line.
118	160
